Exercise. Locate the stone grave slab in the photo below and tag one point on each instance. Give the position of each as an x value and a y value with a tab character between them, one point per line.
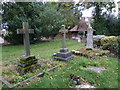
96	69
84	86
78	82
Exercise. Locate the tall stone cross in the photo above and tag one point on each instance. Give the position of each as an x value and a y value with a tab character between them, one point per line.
89	43
64	31
25	31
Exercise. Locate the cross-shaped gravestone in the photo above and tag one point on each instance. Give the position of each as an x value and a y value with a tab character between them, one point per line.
25	31
63	54
64	31
89	43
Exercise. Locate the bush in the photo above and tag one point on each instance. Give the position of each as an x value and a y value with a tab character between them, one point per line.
108	43
97	42
119	47
42	17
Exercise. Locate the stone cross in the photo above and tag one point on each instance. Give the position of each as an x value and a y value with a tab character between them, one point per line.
89	43
64	31
25	31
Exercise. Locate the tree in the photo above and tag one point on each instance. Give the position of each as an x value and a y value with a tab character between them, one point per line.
42	17
48	20
112	24
99	17
99	23
70	11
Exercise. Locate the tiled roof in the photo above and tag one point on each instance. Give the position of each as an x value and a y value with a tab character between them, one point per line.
82	26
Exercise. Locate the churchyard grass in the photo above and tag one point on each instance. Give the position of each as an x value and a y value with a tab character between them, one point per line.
60	78
42	50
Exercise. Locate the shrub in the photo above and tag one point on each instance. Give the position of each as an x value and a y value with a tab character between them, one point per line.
119	47
110	43
97	42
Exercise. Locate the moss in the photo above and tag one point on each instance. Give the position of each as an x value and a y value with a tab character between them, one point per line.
31	67
88	48
90	53
30	61
24	68
27	58
6	72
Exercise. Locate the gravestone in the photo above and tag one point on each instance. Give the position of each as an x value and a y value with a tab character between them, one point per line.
89	44
84	86
64	54
27	62
96	69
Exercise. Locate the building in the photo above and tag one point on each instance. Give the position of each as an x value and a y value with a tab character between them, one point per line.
82	26
75	32
3	32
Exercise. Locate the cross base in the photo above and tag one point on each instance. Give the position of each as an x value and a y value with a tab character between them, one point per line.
63	55
27	64
89	48
63	50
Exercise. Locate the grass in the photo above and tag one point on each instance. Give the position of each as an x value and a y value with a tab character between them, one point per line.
42	50
60	78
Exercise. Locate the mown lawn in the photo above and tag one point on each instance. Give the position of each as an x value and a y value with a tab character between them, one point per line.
42	50
60	78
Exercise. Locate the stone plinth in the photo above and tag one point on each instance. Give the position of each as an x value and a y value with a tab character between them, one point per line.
27	63
63	55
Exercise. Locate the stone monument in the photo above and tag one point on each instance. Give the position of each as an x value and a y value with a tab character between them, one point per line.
64	54
27	62
89	44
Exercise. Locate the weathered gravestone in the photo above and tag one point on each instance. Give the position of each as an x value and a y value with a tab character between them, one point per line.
89	44
27	62
63	54
96	69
